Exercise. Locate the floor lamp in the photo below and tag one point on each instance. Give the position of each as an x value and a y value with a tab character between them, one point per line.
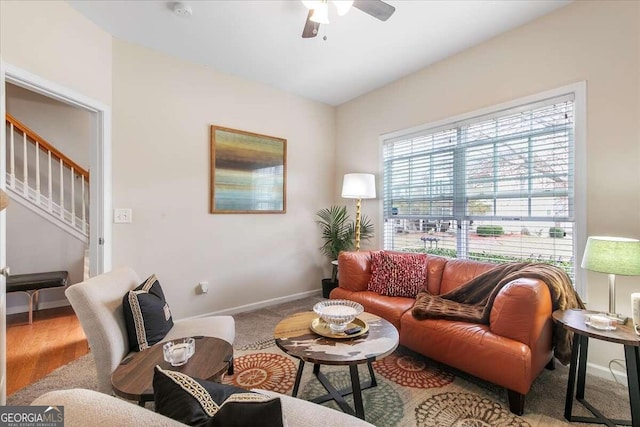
612	255
358	186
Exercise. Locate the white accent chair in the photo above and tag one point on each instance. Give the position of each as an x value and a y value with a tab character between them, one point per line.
98	305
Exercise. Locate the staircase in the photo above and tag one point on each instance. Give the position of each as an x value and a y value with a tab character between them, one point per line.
44	180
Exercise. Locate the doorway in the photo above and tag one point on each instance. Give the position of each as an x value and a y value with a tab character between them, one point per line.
100	184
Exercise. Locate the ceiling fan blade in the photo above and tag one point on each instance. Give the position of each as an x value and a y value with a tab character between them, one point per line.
310	28
376	8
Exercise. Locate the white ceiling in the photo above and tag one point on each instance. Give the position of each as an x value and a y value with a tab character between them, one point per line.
261	40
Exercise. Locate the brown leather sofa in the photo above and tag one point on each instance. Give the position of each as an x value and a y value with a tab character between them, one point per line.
510	351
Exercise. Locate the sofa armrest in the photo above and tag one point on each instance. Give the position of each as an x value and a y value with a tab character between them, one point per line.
354	270
88	407
298	412
522	312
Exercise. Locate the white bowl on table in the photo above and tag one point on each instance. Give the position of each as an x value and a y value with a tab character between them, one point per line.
338	313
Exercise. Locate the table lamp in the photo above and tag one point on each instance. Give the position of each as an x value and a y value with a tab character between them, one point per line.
358	186
612	255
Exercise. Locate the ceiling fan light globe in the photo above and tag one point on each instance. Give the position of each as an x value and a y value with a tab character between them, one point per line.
343	6
320	14
311	4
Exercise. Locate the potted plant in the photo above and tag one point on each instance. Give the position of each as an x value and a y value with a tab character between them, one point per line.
338	234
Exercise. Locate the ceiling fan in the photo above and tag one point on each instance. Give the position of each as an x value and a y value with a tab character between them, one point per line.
319	12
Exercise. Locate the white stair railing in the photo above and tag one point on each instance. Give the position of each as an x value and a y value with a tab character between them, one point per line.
66	183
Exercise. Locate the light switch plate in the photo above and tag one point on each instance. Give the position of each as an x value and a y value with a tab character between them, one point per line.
122	216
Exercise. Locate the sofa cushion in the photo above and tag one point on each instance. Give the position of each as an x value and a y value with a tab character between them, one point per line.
389	308
471	348
399	275
146	314
459	271
205	403
354	270
435	268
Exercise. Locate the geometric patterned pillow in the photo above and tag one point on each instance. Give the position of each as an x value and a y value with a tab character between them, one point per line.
146	314
197	402
398	275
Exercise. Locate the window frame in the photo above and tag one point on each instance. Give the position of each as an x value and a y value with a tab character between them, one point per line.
578	90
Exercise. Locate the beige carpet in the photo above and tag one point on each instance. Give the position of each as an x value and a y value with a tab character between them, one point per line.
412	390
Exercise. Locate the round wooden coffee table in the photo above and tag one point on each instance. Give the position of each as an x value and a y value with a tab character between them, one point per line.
133	378
294	336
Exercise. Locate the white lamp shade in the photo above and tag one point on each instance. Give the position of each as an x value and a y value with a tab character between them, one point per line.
359	186
612	255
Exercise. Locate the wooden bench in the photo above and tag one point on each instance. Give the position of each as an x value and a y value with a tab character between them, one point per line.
33	283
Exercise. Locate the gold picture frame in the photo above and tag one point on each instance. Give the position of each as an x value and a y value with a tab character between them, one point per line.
248	172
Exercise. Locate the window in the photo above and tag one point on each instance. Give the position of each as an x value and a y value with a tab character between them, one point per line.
494	187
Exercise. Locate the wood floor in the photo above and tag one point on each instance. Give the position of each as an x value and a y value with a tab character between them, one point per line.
54	339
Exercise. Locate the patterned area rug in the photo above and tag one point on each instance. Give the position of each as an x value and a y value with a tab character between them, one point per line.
411	390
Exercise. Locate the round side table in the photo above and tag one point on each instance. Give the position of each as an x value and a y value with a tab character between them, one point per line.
574	320
133	378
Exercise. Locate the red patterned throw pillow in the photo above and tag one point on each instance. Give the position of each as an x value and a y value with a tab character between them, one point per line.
398	275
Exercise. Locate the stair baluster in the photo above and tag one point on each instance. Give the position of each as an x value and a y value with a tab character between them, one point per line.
34	195
12	163
25	168
49	175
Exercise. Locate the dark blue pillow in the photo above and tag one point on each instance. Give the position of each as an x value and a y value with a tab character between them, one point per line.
201	403
146	314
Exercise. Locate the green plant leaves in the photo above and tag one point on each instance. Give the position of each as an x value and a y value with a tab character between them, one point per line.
339	231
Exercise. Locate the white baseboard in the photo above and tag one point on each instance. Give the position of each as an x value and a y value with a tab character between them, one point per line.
259	304
24	308
604	372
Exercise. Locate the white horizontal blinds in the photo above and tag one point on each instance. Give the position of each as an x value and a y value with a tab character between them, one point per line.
518	165
519	176
496	187
419	176
419	185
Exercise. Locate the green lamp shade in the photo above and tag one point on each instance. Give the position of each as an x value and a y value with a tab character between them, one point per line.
612	255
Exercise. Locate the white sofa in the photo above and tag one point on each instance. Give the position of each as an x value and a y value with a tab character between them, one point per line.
87	407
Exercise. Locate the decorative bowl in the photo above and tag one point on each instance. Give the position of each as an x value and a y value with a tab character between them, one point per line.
178	353
338	313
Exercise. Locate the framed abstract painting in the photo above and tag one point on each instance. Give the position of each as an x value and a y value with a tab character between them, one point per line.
248	172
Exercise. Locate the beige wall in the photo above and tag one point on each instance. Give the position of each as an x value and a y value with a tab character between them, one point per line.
68	128
162	111
52	40
597	42
36	245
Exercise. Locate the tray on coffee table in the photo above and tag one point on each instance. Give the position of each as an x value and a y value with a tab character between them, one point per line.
321	327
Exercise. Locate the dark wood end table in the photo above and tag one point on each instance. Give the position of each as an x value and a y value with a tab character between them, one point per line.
294	336
133	378
574	320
